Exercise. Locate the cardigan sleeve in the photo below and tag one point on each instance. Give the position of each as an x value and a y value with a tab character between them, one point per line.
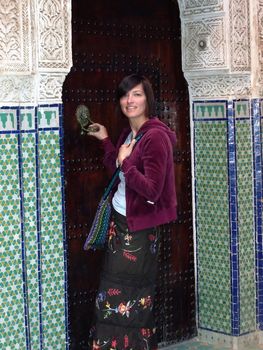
110	155
111	152
154	155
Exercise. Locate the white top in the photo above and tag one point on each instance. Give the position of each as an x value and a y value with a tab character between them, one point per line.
119	199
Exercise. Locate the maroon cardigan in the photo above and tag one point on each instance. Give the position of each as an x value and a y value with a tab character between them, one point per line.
149	175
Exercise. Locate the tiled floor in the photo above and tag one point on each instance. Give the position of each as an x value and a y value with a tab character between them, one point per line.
196	345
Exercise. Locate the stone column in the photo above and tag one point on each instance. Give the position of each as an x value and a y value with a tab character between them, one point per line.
35	56
222	64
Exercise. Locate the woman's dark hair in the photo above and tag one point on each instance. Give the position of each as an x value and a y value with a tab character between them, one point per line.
128	83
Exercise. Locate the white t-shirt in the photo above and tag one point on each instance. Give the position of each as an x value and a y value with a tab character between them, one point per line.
119	199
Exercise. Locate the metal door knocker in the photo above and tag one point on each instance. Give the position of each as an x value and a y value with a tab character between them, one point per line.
83	117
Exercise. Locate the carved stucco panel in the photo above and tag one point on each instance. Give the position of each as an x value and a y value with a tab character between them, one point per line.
55	35
192	7
201	3
15	36
204	44
223	86
17	89
240	35
50	87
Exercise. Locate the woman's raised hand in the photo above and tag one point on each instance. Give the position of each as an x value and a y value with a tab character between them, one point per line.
125	151
102	132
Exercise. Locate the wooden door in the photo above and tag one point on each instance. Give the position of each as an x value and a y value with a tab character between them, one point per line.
110	40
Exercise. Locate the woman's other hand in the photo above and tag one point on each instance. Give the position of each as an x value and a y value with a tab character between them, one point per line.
100	134
125	151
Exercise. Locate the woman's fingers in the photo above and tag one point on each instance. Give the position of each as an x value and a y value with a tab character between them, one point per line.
132	144
97	130
125	151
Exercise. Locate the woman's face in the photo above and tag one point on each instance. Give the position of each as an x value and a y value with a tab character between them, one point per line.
134	103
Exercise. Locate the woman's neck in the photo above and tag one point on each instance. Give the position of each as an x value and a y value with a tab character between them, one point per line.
136	124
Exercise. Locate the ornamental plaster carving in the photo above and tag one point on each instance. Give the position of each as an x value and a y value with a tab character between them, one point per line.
54	35
260	85
50	87
218	42
25	27
194	7
204	44
17	89
220	86
15	36
240	35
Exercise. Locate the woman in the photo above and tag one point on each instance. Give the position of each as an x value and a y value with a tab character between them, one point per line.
145	198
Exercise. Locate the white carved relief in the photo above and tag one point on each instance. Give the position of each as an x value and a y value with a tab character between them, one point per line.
240	35
260	85
15	36
193	7
17	89
204	45
200	3
50	87
219	86
54	36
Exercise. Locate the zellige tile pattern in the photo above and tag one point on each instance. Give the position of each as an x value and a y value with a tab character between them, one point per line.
12	315
28	153
212	219
246	226
52	257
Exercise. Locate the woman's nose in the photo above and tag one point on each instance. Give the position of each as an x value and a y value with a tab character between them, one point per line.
129	98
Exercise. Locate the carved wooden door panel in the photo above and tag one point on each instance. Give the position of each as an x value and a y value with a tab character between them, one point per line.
111	40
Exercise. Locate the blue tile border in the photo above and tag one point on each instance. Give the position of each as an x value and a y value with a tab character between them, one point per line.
233	220
35	110
201	105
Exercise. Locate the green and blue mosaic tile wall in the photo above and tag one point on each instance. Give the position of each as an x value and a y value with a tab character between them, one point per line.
212	219
228	194
33	299
229	263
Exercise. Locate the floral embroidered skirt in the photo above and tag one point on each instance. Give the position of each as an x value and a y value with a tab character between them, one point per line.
124	303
